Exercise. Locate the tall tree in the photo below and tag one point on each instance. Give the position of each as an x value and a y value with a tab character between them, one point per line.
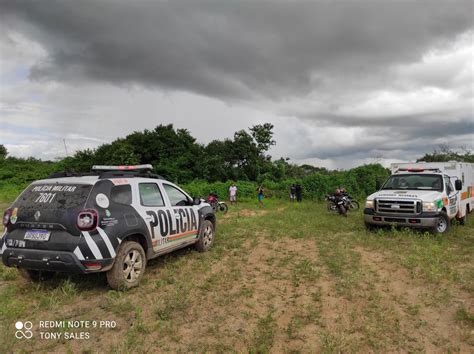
263	136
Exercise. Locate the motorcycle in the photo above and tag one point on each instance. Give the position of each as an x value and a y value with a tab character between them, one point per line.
216	204
337	203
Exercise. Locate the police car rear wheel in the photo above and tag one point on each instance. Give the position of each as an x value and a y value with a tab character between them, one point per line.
129	266
207	237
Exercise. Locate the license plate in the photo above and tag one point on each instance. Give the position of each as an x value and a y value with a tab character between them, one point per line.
37	235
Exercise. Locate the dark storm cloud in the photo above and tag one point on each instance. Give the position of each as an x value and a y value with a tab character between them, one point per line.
241	50
401	138
400	67
459	120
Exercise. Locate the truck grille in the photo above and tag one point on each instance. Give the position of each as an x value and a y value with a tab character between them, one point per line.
395	206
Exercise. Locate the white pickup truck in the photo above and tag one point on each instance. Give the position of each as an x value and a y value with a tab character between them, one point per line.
423	195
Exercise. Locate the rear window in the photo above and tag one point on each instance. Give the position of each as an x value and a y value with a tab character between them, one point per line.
54	196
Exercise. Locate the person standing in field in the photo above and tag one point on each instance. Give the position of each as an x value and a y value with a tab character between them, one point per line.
233	194
292	193
299	192
260	191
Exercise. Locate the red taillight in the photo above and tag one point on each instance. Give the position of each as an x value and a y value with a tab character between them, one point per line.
92	265
87	220
6	217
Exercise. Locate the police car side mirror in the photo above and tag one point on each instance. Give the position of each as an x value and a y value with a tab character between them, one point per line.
196	201
458	184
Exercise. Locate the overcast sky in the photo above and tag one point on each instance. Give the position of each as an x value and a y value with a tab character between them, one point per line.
344	82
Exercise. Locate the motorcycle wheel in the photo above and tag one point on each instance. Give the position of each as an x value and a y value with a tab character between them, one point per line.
354	205
223	207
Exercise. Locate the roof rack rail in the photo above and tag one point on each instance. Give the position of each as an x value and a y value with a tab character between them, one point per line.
62	174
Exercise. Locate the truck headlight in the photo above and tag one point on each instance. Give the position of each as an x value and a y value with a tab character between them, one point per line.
369	204
429	207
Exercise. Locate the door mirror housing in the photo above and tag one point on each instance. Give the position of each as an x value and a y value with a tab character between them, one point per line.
196	201
458	184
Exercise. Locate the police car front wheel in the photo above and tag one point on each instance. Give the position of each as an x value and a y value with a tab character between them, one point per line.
128	267
207	236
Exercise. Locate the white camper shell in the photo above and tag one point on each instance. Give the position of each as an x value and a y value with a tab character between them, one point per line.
423	195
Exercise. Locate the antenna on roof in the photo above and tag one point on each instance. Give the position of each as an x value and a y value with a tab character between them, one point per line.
65	147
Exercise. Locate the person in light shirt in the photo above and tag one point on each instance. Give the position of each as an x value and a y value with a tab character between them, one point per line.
233	193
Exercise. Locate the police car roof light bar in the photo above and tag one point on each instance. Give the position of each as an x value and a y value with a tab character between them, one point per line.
127	174
146	167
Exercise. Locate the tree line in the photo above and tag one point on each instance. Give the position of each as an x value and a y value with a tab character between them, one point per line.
203	168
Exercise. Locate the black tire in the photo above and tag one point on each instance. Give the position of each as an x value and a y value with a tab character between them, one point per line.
354	205
128	268
222	207
35	275
442	225
206	239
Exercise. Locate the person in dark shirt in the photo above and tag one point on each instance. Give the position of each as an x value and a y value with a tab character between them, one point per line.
299	192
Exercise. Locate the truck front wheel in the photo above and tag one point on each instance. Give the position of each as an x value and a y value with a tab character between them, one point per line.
442	224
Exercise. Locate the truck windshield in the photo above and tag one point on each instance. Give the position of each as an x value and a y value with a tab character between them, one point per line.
415	182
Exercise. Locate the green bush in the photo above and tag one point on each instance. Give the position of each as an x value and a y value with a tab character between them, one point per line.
359	182
16	174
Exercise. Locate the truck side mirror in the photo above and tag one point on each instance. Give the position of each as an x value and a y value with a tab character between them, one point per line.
196	201
458	184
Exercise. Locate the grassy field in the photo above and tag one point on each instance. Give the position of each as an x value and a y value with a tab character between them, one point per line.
281	278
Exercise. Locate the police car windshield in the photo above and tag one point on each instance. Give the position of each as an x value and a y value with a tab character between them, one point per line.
415	181
54	196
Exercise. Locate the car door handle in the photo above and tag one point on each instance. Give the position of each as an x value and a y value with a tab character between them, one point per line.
177	216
